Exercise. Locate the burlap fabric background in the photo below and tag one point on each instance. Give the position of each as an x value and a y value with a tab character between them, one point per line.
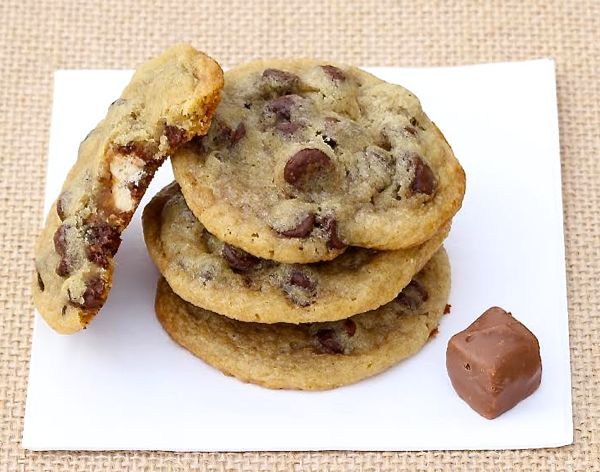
40	36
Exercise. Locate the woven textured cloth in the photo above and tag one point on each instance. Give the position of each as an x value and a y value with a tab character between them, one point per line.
40	36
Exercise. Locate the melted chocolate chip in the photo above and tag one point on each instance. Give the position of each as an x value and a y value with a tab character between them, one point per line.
279	81
305	164
93	296
287	127
238	259
137	149
328	341
303	229
424	180
300	279
40	282
223	135
413	295
329	225
61	205
334	73
102	242
299	288
239	133
176	136
350	327
60	246
282	107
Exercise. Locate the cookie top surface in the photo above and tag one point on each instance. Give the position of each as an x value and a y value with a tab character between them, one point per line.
305	158
225	279
169	100
312	356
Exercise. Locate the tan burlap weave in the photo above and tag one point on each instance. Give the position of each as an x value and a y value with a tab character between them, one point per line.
39	36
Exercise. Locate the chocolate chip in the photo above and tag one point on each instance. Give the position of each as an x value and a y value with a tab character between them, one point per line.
282	107
64	310
61	205
288	128
176	136
329	225
102	241
300	279
332	143
239	133
238	259
334	73
413	295
447	309
304	165
299	288
279	81
223	135
410	130
40	282
424	180
303	229
433	333
137	149
328	341
93	296
415	123
350	327
60	246
63	269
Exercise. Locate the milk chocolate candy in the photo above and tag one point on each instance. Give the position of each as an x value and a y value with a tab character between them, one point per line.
494	363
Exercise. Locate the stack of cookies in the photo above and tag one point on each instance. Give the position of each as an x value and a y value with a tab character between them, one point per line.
301	244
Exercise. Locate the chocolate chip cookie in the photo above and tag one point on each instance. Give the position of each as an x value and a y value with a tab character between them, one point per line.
169	100
222	278
305	158
315	356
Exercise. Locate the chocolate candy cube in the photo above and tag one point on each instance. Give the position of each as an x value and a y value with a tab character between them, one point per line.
494	363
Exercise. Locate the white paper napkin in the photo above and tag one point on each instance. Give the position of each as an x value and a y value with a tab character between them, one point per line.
123	384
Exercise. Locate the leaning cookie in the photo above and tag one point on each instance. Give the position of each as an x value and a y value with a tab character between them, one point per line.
315	356
305	158
218	277
169	100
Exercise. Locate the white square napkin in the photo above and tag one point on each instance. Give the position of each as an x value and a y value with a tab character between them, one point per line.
123	384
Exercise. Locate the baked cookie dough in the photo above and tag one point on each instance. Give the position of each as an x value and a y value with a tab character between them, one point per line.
314	356
218	277
305	158
169	100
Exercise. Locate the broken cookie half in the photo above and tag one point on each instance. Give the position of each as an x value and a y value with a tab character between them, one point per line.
170	100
